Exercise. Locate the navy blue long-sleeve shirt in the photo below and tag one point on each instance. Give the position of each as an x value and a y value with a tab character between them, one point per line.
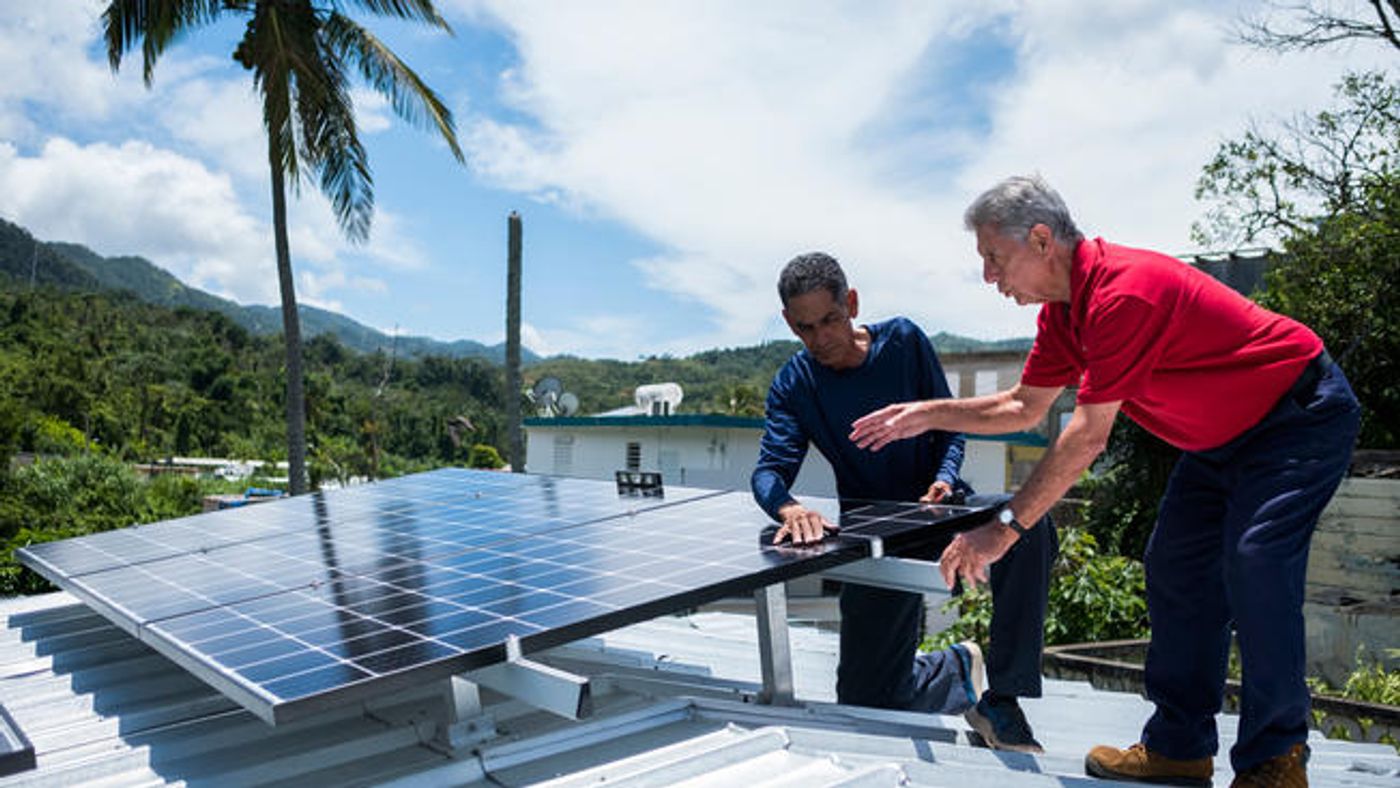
812	404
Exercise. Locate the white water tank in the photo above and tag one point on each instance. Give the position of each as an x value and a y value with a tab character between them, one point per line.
659	399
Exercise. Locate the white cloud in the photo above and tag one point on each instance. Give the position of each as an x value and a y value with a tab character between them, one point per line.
313	287
137	199
54	60
736	134
371	110
192	196
1123	123
218	116
531	338
727	135
593	336
46	66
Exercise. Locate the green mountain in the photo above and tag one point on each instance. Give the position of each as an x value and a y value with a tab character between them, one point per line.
944	342
25	260
75	267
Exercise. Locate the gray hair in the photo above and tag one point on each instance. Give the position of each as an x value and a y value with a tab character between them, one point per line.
809	272
1019	203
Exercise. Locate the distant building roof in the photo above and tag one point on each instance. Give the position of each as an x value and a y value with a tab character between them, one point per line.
642	420
723	421
1242	269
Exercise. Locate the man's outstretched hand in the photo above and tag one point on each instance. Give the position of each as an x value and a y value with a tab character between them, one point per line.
879	428
971	552
802	525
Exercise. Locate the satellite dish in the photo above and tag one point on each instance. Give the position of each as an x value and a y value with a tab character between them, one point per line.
568	404
545	395
551	399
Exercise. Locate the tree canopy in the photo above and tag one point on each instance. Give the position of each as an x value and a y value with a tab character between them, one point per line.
1326	187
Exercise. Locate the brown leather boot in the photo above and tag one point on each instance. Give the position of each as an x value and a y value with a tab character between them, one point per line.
1289	770
1138	764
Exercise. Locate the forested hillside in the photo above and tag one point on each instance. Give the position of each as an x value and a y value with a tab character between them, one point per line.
75	267
111	372
108	371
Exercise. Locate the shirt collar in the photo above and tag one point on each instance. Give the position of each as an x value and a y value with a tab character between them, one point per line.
1086	257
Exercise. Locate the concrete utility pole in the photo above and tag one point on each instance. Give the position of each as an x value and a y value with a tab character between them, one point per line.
516	438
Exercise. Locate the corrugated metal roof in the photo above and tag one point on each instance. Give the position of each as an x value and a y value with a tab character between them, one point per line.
674	705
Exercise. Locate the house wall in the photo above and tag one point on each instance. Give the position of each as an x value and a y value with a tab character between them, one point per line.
711	457
975	374
1353	587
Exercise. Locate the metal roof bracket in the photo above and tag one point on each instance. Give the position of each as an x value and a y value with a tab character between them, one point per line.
774	650
540	685
465	724
899	574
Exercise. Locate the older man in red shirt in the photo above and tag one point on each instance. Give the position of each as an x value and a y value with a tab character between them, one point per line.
1266	421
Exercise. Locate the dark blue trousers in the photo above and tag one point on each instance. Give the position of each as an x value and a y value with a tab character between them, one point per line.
880	634
1231	547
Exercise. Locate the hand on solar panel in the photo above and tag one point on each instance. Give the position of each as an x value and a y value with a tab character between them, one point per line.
880	428
971	552
937	492
802	525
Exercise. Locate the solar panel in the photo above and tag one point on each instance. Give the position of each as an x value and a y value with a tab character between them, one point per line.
296	606
903	527
140	574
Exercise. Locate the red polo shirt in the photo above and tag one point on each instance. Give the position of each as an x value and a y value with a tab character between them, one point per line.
1193	362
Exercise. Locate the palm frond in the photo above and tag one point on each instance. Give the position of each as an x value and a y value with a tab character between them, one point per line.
331	145
343	164
412	10
410	97
155	24
265	50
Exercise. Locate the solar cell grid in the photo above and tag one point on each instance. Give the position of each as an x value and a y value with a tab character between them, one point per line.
473	507
142	574
324	599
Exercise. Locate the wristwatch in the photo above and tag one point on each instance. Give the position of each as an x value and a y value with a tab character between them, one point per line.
1006	518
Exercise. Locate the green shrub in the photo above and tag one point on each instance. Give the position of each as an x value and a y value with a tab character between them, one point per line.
1374	684
82	494
173	495
484	456
1093	597
1369	681
52	435
62	497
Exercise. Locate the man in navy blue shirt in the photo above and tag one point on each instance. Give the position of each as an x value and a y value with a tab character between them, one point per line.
845	371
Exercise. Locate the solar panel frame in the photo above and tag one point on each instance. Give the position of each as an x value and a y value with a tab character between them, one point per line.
377	626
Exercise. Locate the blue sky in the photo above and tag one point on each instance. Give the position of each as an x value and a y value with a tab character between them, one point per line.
667	157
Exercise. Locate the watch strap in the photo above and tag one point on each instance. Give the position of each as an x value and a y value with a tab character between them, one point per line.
1011	521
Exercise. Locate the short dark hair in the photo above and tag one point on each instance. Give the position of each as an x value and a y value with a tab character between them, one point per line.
809	272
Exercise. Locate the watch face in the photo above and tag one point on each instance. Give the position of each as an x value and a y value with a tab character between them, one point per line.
1005	517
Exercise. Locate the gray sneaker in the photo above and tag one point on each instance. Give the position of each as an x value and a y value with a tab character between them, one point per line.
1002	725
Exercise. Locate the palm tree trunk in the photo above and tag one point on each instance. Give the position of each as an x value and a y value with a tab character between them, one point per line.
291	331
515	439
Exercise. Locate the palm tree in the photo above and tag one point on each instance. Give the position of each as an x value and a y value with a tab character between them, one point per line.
299	52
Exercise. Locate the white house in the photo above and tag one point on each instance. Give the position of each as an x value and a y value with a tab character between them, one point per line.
718	452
